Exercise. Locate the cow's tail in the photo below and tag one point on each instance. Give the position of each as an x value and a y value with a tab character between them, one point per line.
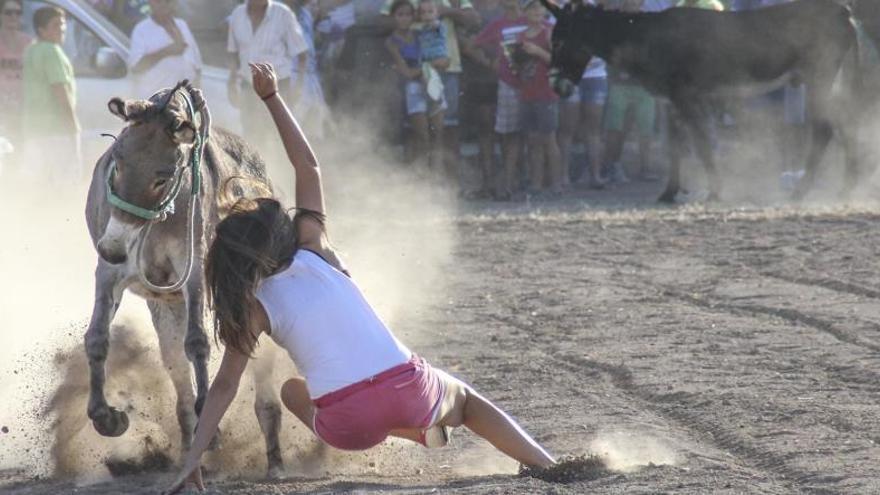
855	75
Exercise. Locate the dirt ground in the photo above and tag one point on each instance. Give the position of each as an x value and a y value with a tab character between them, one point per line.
698	349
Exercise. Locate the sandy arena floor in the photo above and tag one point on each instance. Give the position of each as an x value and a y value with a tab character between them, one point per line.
698	349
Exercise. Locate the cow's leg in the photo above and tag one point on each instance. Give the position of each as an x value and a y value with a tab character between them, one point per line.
675	143
107	420
170	320
849	137
697	119
268	410
818	95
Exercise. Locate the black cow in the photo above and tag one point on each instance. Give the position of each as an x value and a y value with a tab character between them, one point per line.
692	57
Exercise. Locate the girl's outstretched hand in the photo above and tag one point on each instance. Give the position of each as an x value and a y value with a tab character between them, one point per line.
186	480
265	81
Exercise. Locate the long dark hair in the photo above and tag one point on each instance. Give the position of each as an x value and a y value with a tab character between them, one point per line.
256	240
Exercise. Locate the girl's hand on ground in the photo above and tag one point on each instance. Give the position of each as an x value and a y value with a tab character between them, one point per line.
185	480
265	81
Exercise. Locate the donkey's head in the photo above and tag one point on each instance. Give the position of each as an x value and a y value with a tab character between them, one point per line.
148	158
573	43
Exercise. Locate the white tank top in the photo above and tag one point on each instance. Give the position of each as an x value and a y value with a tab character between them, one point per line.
324	322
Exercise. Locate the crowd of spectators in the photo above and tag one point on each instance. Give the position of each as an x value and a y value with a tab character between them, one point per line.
433	71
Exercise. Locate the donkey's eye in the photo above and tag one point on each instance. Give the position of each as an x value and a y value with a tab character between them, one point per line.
160	183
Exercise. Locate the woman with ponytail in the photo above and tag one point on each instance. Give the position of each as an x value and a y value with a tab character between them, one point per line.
270	272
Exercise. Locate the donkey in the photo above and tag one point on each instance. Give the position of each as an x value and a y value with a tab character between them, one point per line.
692	57
152	206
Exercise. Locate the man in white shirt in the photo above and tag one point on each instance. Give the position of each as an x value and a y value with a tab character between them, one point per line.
263	31
163	51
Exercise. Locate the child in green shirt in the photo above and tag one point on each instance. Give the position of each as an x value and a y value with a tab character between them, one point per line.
50	125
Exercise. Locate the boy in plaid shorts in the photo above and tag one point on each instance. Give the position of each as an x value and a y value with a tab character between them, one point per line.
502	36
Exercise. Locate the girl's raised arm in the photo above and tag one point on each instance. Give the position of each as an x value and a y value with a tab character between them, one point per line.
309	192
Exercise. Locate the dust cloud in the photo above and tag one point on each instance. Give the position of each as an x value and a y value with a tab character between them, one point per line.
630	451
761	156
391	224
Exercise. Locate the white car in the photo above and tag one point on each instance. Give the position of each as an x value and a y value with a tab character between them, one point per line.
98	51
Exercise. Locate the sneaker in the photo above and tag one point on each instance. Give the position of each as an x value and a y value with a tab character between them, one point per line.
435	437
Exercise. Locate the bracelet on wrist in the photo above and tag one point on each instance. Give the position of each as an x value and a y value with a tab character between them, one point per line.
269	96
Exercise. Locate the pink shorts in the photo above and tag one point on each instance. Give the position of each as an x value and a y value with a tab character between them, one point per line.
360	416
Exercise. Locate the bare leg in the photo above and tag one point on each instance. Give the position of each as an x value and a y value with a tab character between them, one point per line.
486	114
436	154
554	164
420	137
510	144
464	406
536	162
452	153
295	397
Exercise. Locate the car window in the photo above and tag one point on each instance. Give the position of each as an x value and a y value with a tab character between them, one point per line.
87	53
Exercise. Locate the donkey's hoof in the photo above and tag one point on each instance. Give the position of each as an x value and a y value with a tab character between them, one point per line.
276	472
666	198
112	424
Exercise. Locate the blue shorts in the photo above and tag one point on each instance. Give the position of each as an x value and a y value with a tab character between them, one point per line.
417	100
594	90
451	92
540	117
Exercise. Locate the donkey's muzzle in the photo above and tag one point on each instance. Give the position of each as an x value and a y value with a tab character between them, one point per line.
112	254
113	244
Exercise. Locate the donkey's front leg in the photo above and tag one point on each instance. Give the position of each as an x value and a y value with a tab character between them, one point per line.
268	410
196	342
170	320
107	420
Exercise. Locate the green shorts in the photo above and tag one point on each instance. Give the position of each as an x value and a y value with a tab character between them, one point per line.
622	98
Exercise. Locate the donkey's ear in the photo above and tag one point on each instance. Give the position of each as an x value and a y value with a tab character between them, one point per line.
184	133
552	7
117	108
